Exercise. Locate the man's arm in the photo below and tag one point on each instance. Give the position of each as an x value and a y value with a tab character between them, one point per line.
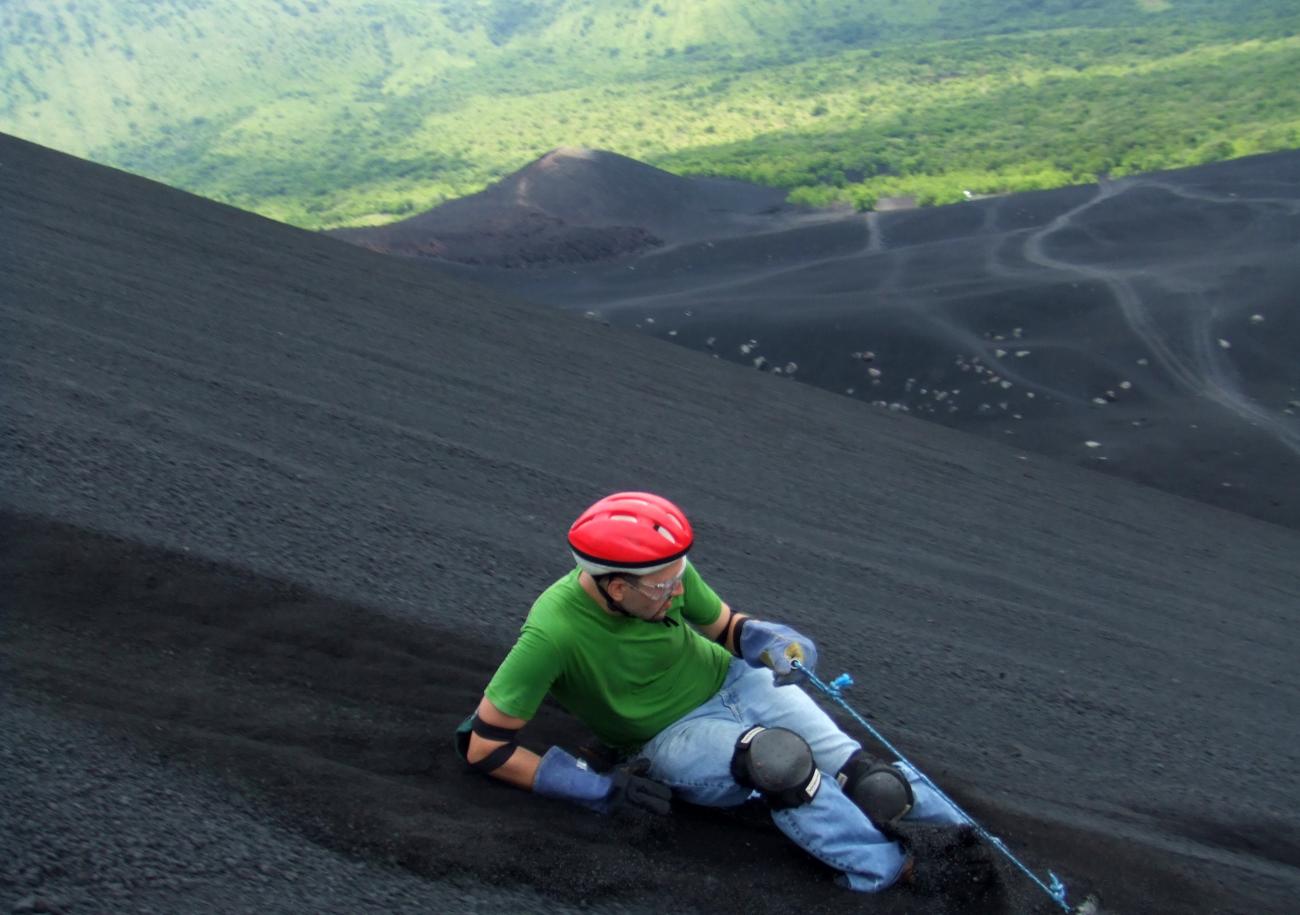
723	629
521	768
762	644
559	775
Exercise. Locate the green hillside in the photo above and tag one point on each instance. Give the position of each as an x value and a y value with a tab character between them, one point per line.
326	112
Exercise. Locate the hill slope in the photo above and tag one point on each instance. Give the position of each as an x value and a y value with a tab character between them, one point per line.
274	507
1145	326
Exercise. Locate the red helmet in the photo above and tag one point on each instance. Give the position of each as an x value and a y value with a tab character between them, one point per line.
634	532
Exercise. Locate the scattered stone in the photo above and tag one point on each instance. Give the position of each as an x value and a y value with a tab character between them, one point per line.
1224	344
1091	444
874	372
672	333
1030	394
745	349
649	320
1099	401
1256	319
710	341
1022	353
999	353
1005	385
791	368
1125	385
1144	361
760	362
1017	332
848	390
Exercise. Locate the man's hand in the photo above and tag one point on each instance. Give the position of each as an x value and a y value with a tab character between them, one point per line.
632	788
776	646
561	776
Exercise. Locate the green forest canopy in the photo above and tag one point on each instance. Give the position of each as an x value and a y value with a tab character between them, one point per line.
328	113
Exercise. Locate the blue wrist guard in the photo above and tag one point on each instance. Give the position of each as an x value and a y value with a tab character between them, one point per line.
562	776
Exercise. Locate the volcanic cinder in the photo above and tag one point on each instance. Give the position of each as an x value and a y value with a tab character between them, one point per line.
274	507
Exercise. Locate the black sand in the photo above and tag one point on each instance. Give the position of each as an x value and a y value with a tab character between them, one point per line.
1147	328
274	506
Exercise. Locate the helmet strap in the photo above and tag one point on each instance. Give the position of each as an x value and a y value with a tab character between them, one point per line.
609	601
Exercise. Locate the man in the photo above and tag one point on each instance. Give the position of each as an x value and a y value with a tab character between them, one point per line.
707	710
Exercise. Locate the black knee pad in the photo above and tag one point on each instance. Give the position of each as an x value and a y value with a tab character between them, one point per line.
779	764
879	789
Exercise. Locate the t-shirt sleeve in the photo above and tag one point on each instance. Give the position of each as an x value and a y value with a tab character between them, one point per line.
525	676
700	605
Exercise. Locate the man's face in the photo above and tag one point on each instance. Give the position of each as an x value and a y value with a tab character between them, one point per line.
650	596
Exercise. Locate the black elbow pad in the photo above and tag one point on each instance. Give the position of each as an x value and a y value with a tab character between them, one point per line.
498	757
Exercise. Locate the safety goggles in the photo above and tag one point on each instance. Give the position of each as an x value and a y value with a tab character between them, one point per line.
659	591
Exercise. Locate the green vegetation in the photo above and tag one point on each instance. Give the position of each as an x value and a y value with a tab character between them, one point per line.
326	113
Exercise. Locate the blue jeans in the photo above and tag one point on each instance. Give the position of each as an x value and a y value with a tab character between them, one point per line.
693	756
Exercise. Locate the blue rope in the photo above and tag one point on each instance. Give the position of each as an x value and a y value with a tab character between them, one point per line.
835	690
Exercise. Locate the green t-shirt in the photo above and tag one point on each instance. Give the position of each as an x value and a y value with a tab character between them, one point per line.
624	678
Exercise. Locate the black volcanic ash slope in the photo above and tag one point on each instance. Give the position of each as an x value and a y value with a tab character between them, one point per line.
1147	328
575	206
274	506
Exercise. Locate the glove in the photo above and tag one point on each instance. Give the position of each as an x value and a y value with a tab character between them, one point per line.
773	645
562	776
